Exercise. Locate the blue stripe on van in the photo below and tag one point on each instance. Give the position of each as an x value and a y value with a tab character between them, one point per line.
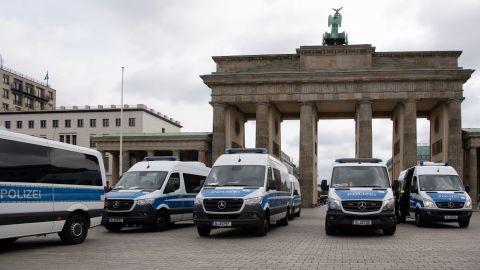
18	194
223	192
125	195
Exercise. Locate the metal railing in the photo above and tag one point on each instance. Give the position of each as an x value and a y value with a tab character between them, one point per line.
23	75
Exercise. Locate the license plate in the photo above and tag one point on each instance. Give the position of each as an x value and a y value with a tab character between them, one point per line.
450	217
222	223
362	222
115	220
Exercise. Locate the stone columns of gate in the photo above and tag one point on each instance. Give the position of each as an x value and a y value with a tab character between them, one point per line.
473	173
409	134
262	125
115	167
363	129
455	150
308	153
125	161
150	153
201	156
218	137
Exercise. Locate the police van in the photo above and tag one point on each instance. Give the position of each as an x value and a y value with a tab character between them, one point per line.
433	192
155	192
296	202
360	196
247	188
48	187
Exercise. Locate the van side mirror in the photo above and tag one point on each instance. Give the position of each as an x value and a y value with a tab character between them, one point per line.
295	192
395	185
201	183
467	188
324	185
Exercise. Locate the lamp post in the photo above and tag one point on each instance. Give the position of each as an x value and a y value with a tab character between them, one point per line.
121	127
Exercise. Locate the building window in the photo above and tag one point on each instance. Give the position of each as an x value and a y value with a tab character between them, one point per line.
118	122
106	122
5	93
19	124
68	123
28	103
62	138
31	124
131	122
6	79
80	123
40	93
93	122
17	100
74	139
163	130
29	88
17	85
4	107
7	124
67	138
43	123
92	143
55	123
50	95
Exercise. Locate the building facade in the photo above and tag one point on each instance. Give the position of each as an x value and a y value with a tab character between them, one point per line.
21	92
78	125
471	146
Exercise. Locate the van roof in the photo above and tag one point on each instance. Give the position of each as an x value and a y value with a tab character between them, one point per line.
167	165
437	169
243	159
45	142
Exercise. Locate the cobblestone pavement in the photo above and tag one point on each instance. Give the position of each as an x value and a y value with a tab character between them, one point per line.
301	245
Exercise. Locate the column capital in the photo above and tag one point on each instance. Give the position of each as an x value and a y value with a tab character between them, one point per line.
307	103
410	100
364	101
266	103
452	100
218	104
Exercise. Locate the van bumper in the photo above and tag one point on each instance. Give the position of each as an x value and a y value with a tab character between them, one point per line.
252	216
140	215
382	220
441	215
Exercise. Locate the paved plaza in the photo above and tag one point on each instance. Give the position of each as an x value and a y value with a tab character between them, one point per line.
301	245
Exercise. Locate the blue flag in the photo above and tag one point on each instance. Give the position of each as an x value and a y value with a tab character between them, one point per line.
46	76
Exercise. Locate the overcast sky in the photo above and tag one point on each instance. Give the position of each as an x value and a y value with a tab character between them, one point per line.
166	45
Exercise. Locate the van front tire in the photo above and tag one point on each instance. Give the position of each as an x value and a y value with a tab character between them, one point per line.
263	229
390	231
8	241
74	231
464	223
161	222
329	229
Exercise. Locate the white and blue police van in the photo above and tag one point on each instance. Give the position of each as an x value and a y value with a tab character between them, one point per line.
296	194
433	192
359	196
49	187
155	193
247	188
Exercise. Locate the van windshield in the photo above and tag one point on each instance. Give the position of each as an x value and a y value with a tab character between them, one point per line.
141	180
440	183
236	175
360	176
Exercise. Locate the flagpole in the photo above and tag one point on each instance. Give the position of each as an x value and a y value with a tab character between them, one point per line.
121	126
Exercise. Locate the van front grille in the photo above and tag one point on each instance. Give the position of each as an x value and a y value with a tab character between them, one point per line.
362	206
119	204
222	205
450	205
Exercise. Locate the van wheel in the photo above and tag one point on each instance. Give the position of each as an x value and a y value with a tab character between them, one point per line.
390	231
8	241
263	229
284	221
292	214
115	227
204	231
161	222
464	223
74	231
419	220
329	229
299	211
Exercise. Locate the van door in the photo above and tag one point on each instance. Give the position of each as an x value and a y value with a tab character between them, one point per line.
26	201
414	195
173	192
192	187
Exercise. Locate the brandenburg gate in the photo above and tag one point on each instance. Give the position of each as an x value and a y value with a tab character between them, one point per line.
340	82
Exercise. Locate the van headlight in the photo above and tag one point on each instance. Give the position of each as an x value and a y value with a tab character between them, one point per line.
334	204
389	204
145	201
198	200
253	201
428	203
468	203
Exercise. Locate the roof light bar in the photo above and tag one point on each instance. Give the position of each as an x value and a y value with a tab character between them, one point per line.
162	158
358	160
246	150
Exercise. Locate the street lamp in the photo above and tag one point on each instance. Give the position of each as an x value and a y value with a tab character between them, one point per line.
121	127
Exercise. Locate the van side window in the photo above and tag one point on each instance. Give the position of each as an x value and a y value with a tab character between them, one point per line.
173	183
192	182
270	180
23	162
73	168
414	187
278	179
